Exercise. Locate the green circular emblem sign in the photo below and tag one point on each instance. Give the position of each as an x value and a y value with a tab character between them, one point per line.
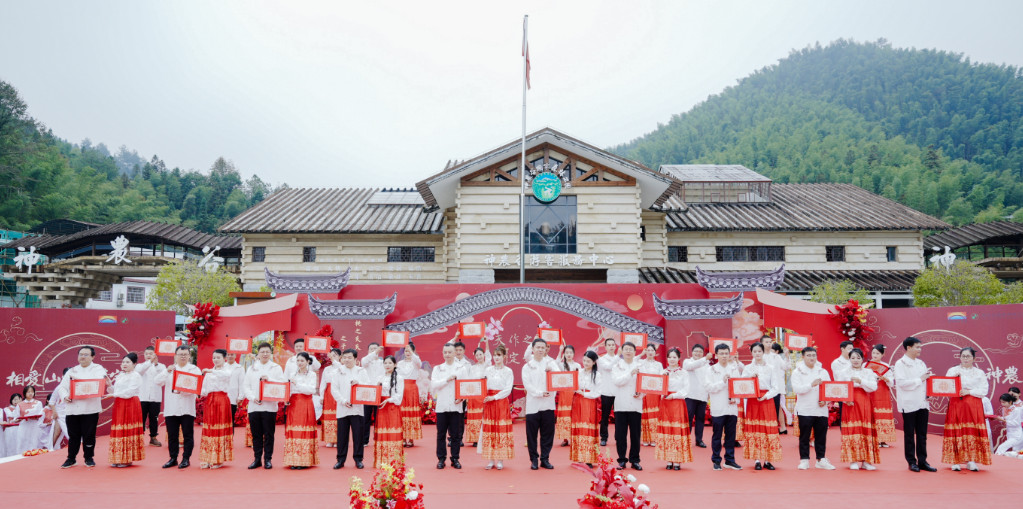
546	187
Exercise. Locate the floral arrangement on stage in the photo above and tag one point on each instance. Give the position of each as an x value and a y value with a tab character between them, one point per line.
852	323
241	418
203	318
200	408
34	452
611	489
392	488
430	410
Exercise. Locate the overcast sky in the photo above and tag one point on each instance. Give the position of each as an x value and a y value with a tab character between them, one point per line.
383	94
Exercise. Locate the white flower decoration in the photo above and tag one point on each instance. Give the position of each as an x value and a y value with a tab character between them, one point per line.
412	495
644	489
631	478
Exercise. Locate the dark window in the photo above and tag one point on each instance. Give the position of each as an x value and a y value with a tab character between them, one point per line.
551	227
642	233
834	253
750	253
258	254
892	256
678	254
410	254
308	254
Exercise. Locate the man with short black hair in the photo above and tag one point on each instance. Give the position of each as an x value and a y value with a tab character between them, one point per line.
350	418
450	421
179	408
291	366
911	376
807	376
628	407
373	363
607	387
82	414
696	397
724	411
262	414
150	394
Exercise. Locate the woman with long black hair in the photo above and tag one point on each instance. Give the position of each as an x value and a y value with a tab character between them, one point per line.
586	412
301	449
884	416
127	441
673	442
965	437
411	412
387	440
563	410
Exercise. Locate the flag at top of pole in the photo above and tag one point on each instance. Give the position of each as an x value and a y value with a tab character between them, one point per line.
525	49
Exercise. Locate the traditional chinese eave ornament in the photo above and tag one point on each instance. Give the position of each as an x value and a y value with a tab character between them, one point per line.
547	180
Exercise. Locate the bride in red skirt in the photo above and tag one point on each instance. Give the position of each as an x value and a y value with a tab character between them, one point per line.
884	416
586	413
329	417
497	443
474	407
563	410
127	441
217	443
387	442
860	444
673	443
966	439
760	421
411	412
301	449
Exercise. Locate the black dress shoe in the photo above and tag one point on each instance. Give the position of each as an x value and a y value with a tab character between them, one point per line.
533	466
636	466
456	464
267	465
171	463
547	465
914	467
736	445
670	467
678	467
621	465
768	466
786	432
757	466
255	464
359	465
440	464
699	443
927	468
337	466
603	443
184	464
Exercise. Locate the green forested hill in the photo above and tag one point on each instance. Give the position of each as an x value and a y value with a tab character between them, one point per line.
929	129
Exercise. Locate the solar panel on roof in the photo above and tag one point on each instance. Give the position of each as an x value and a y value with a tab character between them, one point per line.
395	198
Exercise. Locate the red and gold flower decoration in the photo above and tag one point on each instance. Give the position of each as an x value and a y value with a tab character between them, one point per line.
205	315
392	488
852	323
611	489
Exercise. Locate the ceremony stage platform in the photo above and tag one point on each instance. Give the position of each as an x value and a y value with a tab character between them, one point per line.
38	481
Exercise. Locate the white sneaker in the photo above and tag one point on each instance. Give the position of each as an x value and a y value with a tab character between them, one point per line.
804	464
824	464
973	466
956	468
853	466
500	465
489	466
868	466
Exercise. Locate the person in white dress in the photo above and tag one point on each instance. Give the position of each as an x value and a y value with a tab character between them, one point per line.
410	370
10	426
1013	419
31	416
127	442
965	437
499	385
387	441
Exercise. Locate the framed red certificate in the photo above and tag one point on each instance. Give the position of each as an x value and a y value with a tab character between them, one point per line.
836	391
797	342
167	347
23	408
90	388
317	344
475	388
395	338
551	336
652	384
744	387
274	391
878	367
637	338
240	346
186	382
471	330
366	394
562	381
732	344
944	386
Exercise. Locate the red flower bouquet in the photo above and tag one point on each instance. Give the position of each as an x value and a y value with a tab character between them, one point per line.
852	323
203	318
392	488
610	488
430	410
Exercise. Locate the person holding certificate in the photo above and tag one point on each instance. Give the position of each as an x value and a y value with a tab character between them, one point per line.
150	394
724	411
648	432
860	445
474	407
497	442
82	413
216	445
300	448
838	365
881	399
262	414
812	413
373	363
563	400
329	426
10	417
673	443
450	421
911	376
387	443
411	413
350	417
540	405
628	406
760	419
30	413
586	412
965	438
697	367
178	408
127	436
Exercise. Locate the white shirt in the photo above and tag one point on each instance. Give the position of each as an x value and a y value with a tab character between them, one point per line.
499	379
291	367
534	381
625	386
391	397
678	383
149	390
911	392
652	367
782	364
808	396
234	387
766	377
717	388
868	379
589	385
127	385
840	364
443	389
341	388
250	385
373	364
604	365
973	380
303	384
326	378
83	406
408	369
697	370
217	380
181	403
1013	421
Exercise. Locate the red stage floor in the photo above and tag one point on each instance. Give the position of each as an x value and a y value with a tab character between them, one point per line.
35	482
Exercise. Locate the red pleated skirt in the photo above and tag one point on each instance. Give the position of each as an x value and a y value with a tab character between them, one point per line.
497	442
649	423
411	412
584	446
673	442
300	444
329	417
760	425
217	443
473	418
965	437
563	413
884	417
387	438
127	441
859	436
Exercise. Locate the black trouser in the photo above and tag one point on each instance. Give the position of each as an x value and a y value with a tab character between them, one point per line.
607	404
819	427
540	423
838	421
914	433
234	412
369	413
81	429
151	417
724	424
185	424
263	426
777	409
628	431
351	426
697	411
451	424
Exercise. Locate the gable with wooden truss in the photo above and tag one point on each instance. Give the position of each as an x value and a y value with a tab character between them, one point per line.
583	172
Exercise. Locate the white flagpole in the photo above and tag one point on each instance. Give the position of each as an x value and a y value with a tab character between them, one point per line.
522	163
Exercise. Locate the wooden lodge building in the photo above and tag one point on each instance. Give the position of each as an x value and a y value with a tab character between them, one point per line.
614	221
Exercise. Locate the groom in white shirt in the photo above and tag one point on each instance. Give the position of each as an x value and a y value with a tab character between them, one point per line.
911	376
